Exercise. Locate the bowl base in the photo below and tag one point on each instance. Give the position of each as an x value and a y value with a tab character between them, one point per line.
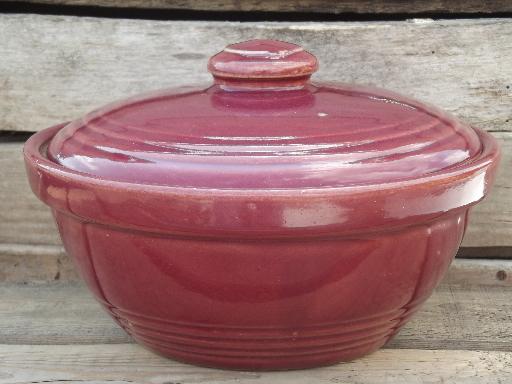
247	362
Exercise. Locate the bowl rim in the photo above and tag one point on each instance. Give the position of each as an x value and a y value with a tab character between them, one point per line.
236	213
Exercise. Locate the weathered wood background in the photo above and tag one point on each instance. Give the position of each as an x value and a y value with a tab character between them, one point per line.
55	68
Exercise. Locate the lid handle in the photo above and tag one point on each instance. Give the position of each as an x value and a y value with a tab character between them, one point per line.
262	64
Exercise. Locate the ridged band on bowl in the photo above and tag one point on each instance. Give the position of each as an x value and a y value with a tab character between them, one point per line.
257	212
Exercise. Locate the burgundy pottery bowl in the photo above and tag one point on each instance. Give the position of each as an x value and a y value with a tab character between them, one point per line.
265	221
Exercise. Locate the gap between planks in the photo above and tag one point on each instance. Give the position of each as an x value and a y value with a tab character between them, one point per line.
315	6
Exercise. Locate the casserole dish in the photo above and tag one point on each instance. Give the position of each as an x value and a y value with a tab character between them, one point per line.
265	221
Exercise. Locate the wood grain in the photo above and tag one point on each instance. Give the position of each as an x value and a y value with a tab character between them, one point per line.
490	222
56	68
322	6
128	363
470	310
479	272
25	220
25	263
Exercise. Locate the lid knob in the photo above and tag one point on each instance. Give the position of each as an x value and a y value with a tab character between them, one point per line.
262	64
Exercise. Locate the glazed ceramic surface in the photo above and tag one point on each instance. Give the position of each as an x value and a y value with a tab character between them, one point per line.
264	221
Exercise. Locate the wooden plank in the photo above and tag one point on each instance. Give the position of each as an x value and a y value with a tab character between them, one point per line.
490	222
479	272
469	317
20	263
56	68
25	220
55	313
321	6
126	363
470	310
485	252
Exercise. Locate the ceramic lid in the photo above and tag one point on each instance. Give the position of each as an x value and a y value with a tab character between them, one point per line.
263	124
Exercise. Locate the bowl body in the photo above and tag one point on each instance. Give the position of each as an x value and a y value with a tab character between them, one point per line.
262	304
